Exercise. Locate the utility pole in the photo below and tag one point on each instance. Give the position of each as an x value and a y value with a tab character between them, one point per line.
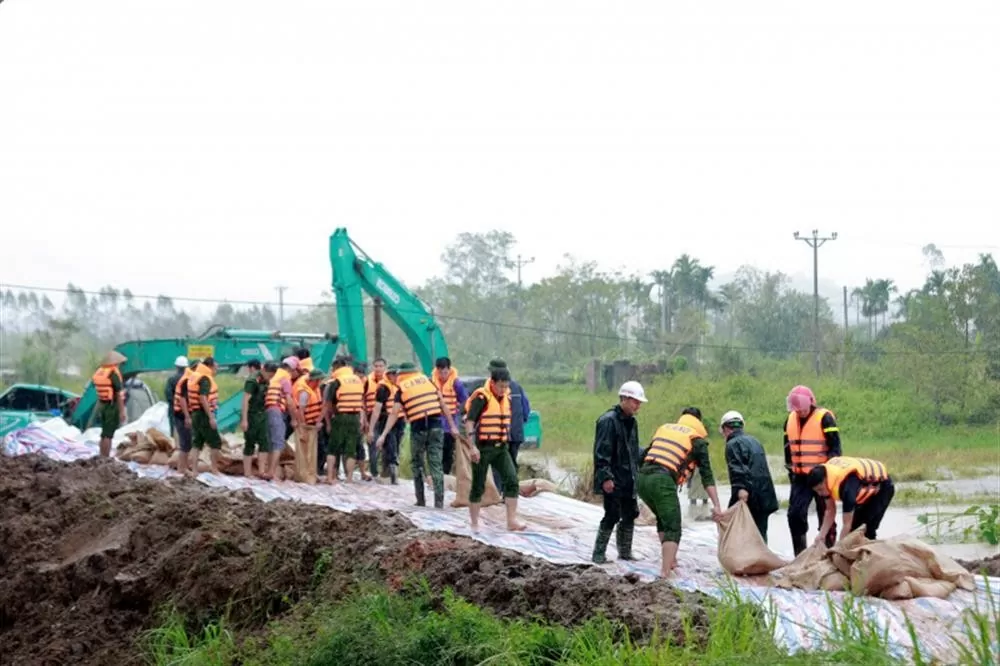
815	241
281	305
521	262
378	326
847	323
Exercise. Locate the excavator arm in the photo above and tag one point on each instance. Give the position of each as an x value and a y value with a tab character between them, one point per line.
354	271
230	347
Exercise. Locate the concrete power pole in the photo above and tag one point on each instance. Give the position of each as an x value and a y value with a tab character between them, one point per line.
281	305
815	241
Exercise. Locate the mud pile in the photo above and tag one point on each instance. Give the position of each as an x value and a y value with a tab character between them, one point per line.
90	553
988	565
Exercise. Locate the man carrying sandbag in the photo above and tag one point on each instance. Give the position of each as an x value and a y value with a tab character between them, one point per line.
749	475
616	465
864	489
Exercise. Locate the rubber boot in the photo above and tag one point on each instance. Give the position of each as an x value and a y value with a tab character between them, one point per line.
418	488
601	545
798	543
623	540
438	501
394	474
831	536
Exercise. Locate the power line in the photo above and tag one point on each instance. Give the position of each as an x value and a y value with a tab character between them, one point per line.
508	325
815	243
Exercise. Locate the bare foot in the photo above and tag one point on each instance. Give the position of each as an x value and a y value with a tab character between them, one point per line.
215	470
475	527
516	527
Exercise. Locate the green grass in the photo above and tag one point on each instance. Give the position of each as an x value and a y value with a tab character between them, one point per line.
373	626
874	423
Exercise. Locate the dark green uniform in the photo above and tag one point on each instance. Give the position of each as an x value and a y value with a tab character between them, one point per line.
108	411
344	428
491	454
658	489
256	434
202	431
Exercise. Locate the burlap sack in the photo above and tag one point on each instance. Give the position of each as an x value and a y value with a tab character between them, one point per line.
463	480
742	551
160	441
159	458
305	454
532	487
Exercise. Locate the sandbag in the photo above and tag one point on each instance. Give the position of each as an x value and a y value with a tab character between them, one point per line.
532	487
160	441
305	454
463	480
897	568
159	458
742	551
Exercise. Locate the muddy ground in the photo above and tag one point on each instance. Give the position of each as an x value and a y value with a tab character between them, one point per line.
988	565
90	554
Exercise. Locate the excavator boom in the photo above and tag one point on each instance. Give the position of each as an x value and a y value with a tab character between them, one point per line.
354	271
231	348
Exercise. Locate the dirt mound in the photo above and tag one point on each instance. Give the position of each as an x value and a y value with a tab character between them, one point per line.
988	565
90	553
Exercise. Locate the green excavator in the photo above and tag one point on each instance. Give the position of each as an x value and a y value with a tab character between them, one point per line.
354	273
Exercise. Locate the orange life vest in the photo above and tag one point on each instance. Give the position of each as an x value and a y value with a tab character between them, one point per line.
199	373
314	405
494	423
306	365
102	382
419	396
447	389
808	442
673	444
350	392
273	397
871	473
181	383
371	388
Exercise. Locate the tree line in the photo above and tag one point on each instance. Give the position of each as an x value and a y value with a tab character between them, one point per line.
941	342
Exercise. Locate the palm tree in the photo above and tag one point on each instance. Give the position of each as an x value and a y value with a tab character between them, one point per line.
883	290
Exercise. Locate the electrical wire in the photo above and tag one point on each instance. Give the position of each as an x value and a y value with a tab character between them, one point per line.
498	324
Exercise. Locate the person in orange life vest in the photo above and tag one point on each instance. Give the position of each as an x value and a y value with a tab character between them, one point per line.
864	489
278	400
372	382
203	403
170	387
425	408
811	438
361	372
445	378
677	450
383	398
488	415
343	415
110	410
183	416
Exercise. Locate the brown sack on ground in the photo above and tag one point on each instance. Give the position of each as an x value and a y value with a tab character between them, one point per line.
160	441
462	468
159	458
305	454
898	568
532	487
742	551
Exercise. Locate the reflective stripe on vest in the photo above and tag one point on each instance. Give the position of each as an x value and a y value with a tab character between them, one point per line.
102	382
350	392
314	405
371	388
870	472
494	422
419	396
447	389
808	445
178	391
273	397
671	448
194	403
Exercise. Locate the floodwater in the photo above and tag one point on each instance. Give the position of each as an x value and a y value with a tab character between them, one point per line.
898	521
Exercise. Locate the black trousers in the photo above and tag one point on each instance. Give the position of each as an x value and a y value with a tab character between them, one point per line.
759	518
619	509
448	452
870	513
800	498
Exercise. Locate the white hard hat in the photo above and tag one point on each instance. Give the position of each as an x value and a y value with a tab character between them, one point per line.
731	417
632	390
181	362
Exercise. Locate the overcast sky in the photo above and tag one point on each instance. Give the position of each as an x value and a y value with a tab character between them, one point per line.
137	137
